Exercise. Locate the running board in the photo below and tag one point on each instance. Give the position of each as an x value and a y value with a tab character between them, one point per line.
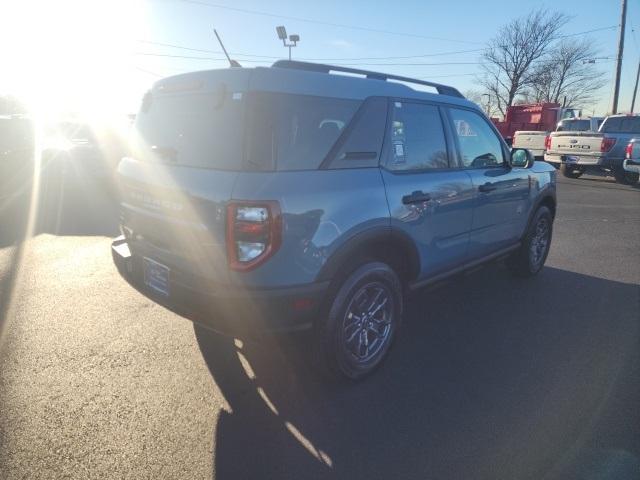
463	268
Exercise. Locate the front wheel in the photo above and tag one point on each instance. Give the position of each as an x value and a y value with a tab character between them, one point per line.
529	259
570	171
624	177
361	322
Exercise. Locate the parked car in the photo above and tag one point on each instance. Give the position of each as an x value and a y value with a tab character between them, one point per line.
536	140
632	157
17	146
289	198
578	152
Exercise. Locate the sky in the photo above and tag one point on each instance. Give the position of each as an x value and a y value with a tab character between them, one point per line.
100	56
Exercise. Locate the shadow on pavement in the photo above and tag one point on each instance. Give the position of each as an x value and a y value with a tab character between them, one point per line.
490	377
600	180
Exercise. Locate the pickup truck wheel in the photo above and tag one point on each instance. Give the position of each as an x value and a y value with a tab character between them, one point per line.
361	322
624	177
529	259
571	171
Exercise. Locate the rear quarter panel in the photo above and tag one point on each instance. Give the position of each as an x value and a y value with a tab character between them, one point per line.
321	211
543	184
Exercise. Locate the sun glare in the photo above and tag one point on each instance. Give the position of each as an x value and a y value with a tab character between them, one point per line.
72	55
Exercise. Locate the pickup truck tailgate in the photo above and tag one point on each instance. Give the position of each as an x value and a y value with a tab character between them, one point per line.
576	143
533	140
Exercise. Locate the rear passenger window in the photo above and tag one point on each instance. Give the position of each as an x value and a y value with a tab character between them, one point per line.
364	139
417	140
480	146
294	132
621	125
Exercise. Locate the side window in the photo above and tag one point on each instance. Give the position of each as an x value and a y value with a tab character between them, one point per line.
416	139
362	147
294	132
480	147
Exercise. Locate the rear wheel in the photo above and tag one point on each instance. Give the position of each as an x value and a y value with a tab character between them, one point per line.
529	259
571	171
624	177
361	321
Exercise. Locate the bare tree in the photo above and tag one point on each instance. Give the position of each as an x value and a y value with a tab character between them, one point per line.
513	52
567	74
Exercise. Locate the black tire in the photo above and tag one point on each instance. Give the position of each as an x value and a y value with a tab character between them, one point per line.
337	354
529	259
624	177
570	171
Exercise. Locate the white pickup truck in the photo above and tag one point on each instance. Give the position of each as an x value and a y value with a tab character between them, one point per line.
535	140
578	152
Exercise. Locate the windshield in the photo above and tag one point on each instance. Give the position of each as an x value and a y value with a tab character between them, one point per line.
621	125
574	125
196	130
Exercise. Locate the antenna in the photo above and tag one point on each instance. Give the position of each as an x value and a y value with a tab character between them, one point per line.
232	63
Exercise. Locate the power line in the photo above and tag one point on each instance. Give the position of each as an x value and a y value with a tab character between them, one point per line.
150	54
440	54
320	22
149	72
399	57
425	55
633	34
357	27
337	64
589	31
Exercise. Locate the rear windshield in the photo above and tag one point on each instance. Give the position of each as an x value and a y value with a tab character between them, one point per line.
195	130
621	125
281	131
574	125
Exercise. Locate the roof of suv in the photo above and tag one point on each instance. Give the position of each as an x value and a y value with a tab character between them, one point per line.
313	79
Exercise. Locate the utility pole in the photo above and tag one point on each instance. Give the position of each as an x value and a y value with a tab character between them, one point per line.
635	90
616	88
488	106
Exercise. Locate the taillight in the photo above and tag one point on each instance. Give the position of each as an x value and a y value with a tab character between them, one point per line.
254	233
629	150
606	144
547	142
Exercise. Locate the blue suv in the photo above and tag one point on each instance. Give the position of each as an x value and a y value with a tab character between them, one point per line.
307	196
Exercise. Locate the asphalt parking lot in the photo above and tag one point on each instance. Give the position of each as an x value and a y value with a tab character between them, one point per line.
491	377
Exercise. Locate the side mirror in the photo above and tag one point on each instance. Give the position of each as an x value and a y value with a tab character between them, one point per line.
521	158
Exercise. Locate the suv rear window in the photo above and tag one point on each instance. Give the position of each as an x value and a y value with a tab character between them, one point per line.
195	130
621	125
294	132
207	130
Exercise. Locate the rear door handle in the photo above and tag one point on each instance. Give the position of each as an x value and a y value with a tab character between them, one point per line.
416	197
487	187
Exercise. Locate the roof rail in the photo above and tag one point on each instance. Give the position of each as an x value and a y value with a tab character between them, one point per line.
322	68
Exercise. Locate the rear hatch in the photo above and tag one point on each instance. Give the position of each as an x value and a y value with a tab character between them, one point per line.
185	154
583	144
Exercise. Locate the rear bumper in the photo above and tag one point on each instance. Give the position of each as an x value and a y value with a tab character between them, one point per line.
631	166
229	309
584	160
